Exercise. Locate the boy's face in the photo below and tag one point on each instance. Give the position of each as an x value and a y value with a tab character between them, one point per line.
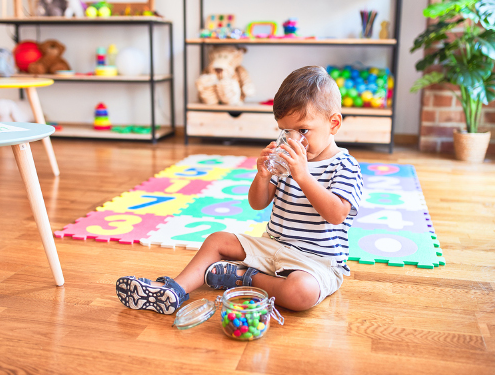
318	129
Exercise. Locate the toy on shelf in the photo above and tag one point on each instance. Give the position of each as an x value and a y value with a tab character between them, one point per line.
130	62
224	81
217	21
50	7
384	34
368	87
367	20
7	64
101	122
51	61
102	68
100	9
261	29
25	53
75	8
290	27
133	129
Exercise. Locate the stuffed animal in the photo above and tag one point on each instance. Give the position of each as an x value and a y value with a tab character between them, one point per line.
74	8
51	61
51	7
224	81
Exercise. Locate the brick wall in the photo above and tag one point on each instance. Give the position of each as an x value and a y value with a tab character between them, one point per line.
441	113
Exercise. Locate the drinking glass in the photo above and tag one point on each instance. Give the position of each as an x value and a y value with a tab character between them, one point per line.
275	164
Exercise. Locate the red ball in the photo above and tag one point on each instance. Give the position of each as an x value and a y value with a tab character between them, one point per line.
26	53
231	316
244	329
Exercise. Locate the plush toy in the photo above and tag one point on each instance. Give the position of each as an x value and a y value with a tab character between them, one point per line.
74	8
51	61
51	7
224	80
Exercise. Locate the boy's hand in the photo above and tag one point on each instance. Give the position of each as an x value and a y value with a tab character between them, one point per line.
297	159
260	163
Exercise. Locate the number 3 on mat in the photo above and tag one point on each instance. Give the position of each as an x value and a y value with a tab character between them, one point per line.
122	223
200	235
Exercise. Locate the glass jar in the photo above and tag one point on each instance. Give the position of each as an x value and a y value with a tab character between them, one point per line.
246	313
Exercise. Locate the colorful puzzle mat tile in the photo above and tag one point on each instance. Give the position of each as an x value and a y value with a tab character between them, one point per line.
105	226
143	202
203	194
195	173
396	249
167	185
190	232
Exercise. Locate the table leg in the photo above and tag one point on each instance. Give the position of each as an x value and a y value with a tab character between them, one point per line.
25	163
40	119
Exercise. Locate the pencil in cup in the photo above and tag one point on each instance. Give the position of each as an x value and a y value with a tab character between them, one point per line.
367	20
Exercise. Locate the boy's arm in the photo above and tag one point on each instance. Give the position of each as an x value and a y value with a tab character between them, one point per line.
261	192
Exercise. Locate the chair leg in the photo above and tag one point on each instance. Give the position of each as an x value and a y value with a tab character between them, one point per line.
40	119
25	163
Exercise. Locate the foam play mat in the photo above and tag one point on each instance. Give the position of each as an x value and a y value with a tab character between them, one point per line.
202	194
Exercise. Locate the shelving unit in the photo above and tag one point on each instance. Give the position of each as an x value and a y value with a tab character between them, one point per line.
197	116
86	130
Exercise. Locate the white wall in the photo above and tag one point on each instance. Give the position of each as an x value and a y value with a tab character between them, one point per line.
268	65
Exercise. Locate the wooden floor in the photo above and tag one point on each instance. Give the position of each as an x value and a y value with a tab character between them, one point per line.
384	320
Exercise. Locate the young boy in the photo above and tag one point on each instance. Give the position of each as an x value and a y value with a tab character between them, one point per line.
300	259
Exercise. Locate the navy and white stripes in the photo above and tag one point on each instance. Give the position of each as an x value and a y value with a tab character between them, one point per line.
296	223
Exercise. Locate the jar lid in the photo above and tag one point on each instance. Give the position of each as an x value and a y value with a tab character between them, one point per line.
194	314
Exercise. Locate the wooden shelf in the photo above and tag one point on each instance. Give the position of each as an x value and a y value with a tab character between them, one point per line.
85	78
347	42
87	131
260	108
83	20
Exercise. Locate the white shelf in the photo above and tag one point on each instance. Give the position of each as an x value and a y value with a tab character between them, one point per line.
87	131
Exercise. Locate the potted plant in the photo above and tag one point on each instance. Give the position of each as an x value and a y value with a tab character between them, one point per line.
465	60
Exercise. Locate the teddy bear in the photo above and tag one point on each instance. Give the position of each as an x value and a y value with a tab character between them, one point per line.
225	81
51	61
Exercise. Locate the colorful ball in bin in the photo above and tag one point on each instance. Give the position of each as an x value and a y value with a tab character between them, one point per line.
376	102
390	83
335	73
380	93
354	73
371	87
372	78
380	82
347	102
364	74
349	83
366	96
358	101
374	71
361	87
352	93
340	81
343	91
346	73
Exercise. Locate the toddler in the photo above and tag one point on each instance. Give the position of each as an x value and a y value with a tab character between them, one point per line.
301	258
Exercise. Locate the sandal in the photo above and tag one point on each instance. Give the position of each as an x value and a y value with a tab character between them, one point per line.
138	294
226	275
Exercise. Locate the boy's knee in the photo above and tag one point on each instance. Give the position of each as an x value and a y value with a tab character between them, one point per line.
304	289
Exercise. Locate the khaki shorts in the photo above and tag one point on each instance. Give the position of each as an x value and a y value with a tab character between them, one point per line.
271	257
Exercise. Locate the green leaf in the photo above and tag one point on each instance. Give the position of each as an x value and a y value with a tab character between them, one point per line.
469	14
444	8
434	33
427	80
485	42
431	59
470	75
486	11
486	91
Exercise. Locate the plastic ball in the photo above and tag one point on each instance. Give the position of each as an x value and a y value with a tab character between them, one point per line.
348	67
340	81
374	71
104	11
346	73
358	102
390	94
347	102
335	73
349	83
376	102
364	74
358	80
361	87
352	93
380	93
371	87
382	72
244	329
389	102
372	78
329	68
380	82
366	96
354	73
390	82
91	12
26	53
130	62
343	91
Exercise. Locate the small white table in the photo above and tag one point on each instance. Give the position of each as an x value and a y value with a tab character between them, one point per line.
18	135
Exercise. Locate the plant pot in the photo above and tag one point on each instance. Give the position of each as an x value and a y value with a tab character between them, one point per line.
471	146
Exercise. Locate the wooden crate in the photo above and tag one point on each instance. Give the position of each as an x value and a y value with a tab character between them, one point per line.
365	130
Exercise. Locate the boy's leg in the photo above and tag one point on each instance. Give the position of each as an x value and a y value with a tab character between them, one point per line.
217	246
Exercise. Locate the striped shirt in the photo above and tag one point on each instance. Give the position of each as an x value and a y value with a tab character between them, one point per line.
294	221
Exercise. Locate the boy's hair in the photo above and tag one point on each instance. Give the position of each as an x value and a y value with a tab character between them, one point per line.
305	90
